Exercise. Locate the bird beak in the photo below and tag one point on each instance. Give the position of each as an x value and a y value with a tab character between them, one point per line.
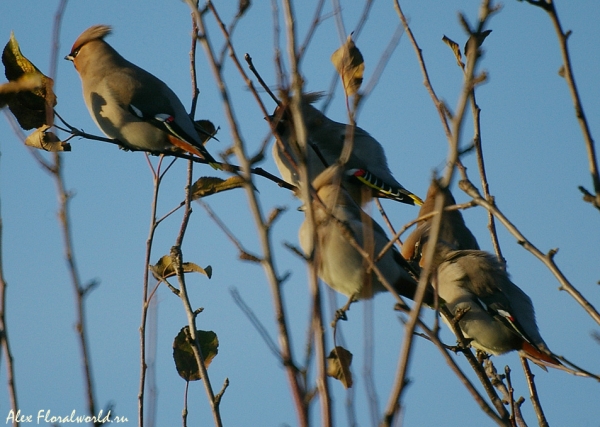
69	58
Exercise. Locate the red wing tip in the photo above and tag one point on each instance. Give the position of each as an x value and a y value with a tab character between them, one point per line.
357	172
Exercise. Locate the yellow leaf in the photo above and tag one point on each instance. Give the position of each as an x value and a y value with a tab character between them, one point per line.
350	65
338	365
456	49
47	141
183	354
32	108
26	82
208	185
165	268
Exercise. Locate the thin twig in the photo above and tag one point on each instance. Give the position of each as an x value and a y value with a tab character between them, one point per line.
260	328
317	19
225	166
383	61
80	290
547	259
444	349
567	73
476	112
298	391
453	135
4	341
317	326
177	257
157	178
243	252
533	394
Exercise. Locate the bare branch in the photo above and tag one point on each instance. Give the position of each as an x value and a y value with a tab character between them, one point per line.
567	73
262	331
533	395
298	391
547	259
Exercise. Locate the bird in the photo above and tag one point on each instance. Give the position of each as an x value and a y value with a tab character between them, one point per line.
366	168
453	230
498	316
494	313
340	265
130	104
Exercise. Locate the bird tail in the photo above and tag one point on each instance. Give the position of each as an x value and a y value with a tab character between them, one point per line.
400	194
539	357
180	139
543	359
193	149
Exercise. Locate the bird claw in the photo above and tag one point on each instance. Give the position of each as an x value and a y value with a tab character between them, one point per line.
340	314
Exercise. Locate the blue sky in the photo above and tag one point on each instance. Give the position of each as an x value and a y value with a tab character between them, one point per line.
535	159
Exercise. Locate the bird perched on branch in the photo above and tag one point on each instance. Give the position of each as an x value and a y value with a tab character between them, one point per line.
366	167
337	219
453	230
495	314
130	104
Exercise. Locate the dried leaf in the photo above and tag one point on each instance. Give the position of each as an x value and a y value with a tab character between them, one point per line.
165	268
183	354
243	5
338	365
208	185
47	141
245	256
350	65
205	129
275	214
26	82
456	49
475	41
30	107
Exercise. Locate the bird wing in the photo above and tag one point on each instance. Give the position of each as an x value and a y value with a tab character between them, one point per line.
499	295
160	108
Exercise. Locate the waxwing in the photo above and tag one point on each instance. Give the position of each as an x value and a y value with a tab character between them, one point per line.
128	103
366	168
453	230
499	316
340	265
496	314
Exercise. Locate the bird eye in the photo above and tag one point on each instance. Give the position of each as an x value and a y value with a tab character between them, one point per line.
74	53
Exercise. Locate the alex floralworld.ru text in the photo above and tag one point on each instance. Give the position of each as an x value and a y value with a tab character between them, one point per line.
45	416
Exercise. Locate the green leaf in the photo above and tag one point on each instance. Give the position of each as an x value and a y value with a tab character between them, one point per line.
183	354
33	107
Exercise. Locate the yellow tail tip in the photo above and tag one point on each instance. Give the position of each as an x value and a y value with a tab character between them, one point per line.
418	201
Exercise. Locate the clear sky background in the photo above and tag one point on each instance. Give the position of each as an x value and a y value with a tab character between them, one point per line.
535	160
